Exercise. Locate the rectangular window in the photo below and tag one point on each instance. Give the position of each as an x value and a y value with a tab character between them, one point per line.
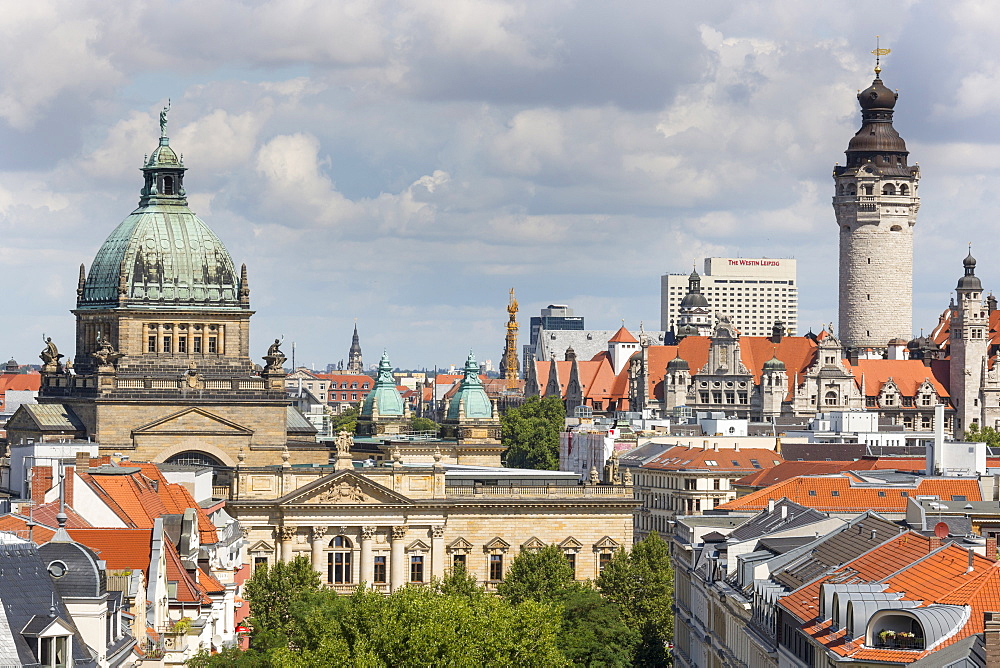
571	558
496	567
166	344
354	396
378	575
152	345
197	345
182	344
603	560
417	568
258	562
212	348
54	652
458	561
338	567
343	396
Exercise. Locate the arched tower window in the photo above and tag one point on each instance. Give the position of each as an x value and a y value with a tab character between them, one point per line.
852	190
168	185
830	399
904	189
888	189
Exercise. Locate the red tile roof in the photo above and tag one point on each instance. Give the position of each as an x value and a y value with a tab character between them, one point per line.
188	590
908	375
791	469
843	493
122	549
20	381
680	458
907	565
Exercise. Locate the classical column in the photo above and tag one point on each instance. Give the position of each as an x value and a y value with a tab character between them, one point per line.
397	559
286	534
437	551
318	543
366	569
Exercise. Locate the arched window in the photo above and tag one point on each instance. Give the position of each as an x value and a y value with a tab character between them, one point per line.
904	189
168	185
830	399
852	190
338	562
888	189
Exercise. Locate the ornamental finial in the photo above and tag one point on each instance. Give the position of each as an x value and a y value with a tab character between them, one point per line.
878	53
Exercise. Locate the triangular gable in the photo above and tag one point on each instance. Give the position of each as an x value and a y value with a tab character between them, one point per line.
343	488
418	546
497	544
571	544
41	625
460	544
533	543
607	542
193	421
45	417
261	546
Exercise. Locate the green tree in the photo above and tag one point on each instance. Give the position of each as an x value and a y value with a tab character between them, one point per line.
988	435
423	424
544	575
346	421
274	592
531	433
459	582
640	582
593	631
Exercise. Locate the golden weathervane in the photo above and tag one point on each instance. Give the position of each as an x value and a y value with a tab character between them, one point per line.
878	53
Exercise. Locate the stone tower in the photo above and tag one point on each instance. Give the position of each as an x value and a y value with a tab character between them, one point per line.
969	343
876	204
354	363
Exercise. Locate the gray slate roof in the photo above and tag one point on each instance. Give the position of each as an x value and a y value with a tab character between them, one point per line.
767	521
57	417
552	343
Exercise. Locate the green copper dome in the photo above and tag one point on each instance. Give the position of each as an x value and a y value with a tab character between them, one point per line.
390	402
471	395
162	254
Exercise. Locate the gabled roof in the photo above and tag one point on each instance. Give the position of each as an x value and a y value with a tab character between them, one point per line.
20	381
790	469
50	417
188	590
623	336
845	493
121	549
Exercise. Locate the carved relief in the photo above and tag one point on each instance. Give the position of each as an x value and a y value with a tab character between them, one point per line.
318	533
367	532
437	531
345	492
399	532
286	533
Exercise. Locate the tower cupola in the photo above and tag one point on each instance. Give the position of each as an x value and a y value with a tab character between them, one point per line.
969	282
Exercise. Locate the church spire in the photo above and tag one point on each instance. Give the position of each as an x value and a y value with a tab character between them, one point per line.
354	362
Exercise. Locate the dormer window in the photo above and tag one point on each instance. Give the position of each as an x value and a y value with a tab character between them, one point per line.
53	652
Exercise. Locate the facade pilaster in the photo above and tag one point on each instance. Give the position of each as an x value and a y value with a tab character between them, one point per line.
437	552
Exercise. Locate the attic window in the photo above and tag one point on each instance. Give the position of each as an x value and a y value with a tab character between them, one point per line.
812	492
881	493
735	463
755	463
834	492
958	497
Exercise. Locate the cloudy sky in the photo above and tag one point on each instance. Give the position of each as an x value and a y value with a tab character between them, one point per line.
407	162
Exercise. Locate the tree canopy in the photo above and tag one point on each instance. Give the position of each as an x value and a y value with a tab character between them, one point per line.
988	435
640	582
273	592
531	433
345	421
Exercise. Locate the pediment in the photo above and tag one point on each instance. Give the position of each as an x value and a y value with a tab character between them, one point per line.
193	421
497	544
571	543
533	543
418	546
607	542
343	488
261	546
460	544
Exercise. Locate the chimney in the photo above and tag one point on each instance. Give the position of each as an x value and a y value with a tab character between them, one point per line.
704	444
784	512
82	461
972	565
716	446
41	482
68	473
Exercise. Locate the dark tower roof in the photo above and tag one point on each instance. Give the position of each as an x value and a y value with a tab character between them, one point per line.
970	281
694	298
877	142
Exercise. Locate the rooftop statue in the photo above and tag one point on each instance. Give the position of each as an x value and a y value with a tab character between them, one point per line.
50	354
163	119
275	358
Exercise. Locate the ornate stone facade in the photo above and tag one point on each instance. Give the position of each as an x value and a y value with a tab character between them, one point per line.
389	526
